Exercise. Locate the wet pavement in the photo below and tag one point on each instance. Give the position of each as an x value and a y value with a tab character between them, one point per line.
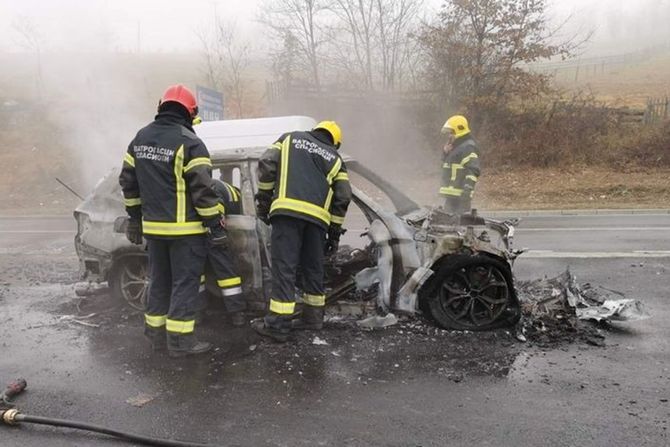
408	385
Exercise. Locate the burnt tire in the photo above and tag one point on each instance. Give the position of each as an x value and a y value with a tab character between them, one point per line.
472	292
129	280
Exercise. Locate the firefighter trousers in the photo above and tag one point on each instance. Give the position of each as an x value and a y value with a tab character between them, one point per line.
220	267
175	266
295	243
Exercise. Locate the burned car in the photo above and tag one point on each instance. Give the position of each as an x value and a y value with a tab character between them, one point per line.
398	255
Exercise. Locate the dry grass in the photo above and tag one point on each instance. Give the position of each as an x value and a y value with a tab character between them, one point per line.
583	188
558	189
625	85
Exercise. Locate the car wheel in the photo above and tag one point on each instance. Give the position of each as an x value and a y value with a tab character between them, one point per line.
473	293
129	281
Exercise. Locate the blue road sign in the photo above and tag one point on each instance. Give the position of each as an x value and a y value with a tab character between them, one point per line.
210	103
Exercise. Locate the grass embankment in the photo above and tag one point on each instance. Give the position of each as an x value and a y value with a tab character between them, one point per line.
36	150
537	189
625	85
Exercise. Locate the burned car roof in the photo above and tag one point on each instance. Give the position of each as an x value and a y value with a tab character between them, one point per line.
232	140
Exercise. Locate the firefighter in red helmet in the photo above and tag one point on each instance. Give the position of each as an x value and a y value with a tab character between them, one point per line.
167	188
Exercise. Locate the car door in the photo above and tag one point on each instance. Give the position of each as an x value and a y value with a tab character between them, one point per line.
246	235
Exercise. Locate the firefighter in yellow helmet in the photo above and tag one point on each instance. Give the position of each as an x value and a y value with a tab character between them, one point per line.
303	192
460	166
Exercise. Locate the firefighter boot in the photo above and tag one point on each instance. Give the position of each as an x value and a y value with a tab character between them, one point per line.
238	319
183	345
278	334
156	337
310	320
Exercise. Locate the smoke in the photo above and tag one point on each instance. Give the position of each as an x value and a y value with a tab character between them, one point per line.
388	133
103	103
71	116
98	101
618	27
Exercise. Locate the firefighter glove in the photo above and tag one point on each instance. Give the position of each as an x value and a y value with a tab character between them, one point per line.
263	202
333	241
134	231
217	233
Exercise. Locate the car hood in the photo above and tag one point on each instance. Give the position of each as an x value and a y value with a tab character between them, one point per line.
105	201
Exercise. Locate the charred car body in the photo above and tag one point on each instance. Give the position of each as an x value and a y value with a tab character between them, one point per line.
456	269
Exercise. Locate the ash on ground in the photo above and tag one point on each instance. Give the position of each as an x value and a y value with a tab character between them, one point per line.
558	310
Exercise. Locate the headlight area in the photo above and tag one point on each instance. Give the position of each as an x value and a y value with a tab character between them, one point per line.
93	262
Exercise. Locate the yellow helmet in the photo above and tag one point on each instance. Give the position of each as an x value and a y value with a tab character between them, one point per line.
457	124
333	129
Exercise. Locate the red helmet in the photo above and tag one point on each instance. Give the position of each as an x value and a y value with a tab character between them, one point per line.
180	94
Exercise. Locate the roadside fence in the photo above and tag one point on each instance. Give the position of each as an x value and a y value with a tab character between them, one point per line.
657	110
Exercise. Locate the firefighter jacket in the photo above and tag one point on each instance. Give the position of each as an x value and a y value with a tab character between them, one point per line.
307	179
166	179
229	196
460	168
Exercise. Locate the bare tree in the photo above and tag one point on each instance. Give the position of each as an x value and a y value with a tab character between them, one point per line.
304	21
359	24
373	37
479	51
285	60
226	60
237	55
397	22
31	40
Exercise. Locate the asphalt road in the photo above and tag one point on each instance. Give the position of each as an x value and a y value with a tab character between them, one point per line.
400	387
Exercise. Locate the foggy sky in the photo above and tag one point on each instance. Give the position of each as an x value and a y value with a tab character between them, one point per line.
170	25
99	135
121	25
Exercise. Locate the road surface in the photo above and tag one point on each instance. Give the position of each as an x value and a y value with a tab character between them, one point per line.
406	386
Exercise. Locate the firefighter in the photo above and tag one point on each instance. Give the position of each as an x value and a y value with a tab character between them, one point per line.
167	187
460	167
303	192
219	261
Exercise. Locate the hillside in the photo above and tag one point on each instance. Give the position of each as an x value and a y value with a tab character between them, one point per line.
74	121
621	84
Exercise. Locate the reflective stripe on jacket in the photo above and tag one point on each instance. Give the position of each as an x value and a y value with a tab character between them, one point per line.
166	179
229	196
460	168
307	179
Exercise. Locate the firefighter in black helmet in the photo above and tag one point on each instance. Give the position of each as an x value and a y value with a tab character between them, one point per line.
167	187
220	265
303	192
460	168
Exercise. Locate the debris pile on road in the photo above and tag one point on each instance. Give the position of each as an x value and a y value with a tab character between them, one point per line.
559	309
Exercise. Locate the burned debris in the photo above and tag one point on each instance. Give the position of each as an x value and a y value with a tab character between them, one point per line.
559	309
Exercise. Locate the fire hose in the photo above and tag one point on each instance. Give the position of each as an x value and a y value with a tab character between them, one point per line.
11	416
